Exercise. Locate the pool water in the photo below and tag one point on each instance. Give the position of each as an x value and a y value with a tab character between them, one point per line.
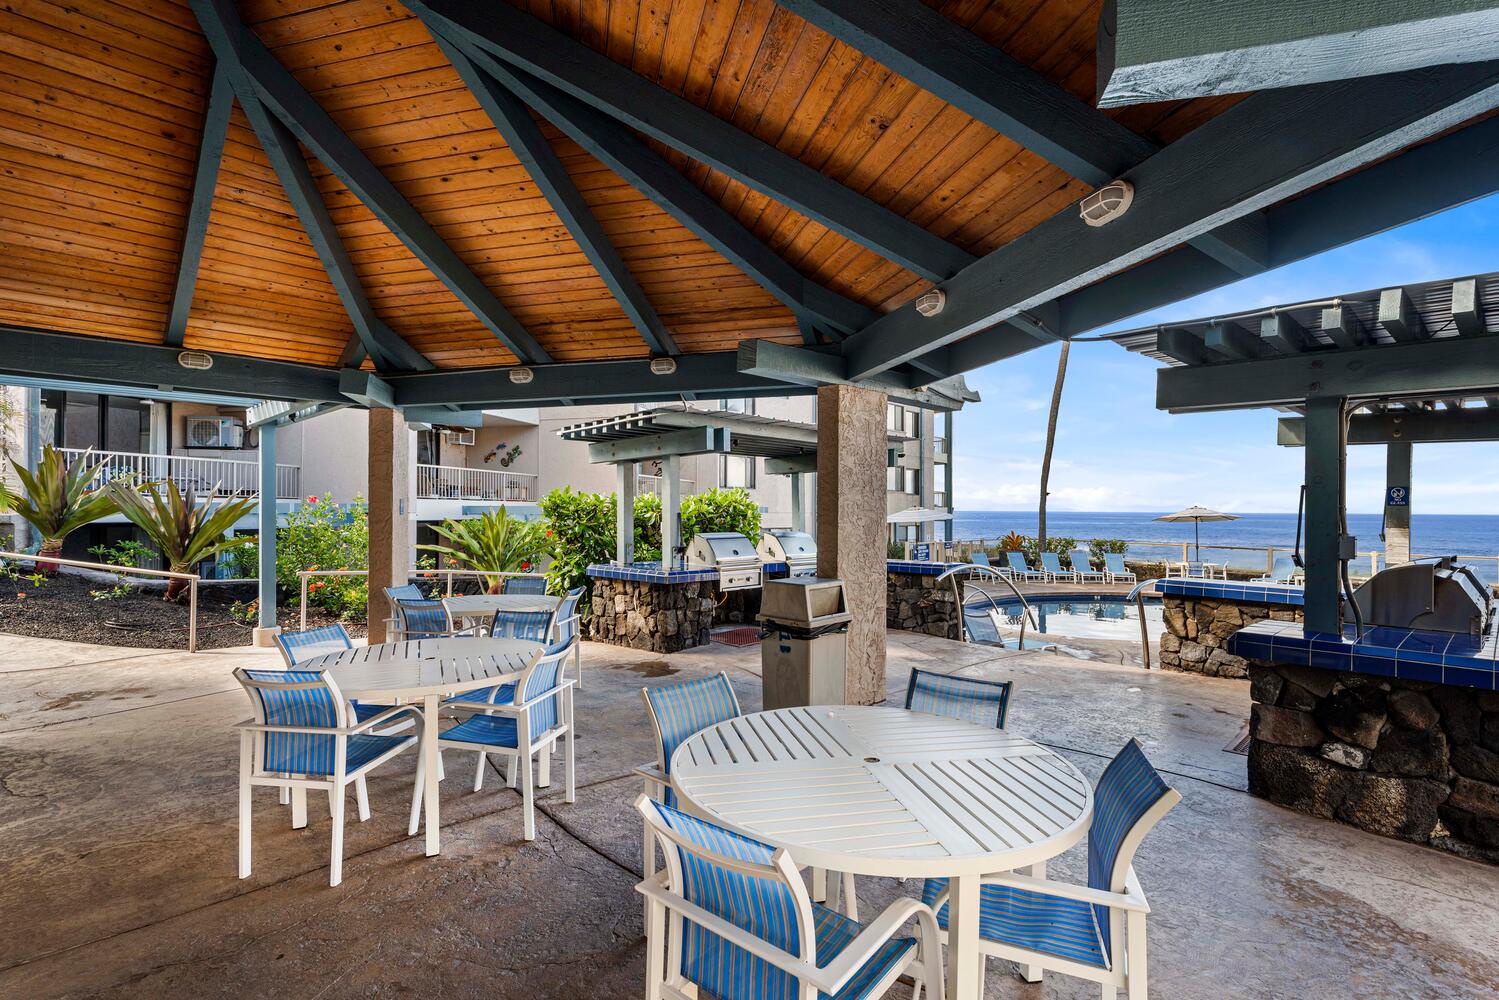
1081	616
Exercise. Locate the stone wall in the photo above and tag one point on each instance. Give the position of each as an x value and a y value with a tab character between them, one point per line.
1198	629
660	618
1399	758
916	603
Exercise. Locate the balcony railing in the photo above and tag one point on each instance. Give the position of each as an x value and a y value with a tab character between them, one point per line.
651	486
229	476
456	482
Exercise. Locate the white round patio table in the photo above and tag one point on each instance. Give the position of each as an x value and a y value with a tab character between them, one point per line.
887	792
467	607
425	670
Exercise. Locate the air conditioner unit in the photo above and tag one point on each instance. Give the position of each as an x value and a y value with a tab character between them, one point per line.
215	432
460	435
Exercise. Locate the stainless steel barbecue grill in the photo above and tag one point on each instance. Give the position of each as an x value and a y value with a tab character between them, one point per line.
731	554
1436	594
797	549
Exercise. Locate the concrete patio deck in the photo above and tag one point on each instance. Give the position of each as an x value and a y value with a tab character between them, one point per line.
117	806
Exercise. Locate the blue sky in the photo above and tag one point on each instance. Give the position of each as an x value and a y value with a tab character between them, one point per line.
1115	452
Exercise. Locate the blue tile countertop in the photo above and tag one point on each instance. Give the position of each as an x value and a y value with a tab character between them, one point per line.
1232	590
649	572
918	568
1403	653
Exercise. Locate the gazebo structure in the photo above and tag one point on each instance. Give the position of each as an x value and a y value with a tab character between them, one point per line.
429	208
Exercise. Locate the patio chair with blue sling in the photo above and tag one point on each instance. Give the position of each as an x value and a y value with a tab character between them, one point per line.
1095	932
1018	567
426	619
1051	565
303	736
535	626
1082	568
731	917
567	625
1113	565
540	716
299	647
408	592
525	585
979	557
969	699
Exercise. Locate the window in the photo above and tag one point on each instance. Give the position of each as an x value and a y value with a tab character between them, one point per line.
89	420
913	480
893	478
892	417
427	449
939	477
737	470
745	405
912	423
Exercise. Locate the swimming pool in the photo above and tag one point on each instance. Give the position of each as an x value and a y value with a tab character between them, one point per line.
1082	616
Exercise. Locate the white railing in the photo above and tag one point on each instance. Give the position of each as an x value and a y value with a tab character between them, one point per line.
651	486
230	476
456	482
123	574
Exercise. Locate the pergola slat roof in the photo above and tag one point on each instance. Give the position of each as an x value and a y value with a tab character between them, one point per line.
665	179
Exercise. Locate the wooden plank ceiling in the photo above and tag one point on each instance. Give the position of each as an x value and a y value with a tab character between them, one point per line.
101	112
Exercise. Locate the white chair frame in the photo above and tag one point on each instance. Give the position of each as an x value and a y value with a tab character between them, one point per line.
663	901
1127	910
252	772
518	758
555	632
1084	576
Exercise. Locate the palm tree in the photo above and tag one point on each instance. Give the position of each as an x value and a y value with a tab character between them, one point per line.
59	500
185	531
493	542
1051	437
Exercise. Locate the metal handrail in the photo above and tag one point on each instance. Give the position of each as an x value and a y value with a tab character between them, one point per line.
127	571
1138	595
970	569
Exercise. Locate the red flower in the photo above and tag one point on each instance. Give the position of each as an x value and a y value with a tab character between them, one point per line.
21	594
525	566
312	498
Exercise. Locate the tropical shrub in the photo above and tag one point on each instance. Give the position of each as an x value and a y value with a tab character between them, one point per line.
1059	544
1013	542
127	553
59	500
720	510
582	532
493	542
648	528
1098	547
895	550
323	534
185	531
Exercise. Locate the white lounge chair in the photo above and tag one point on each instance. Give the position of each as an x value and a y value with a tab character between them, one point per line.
1284	570
1083	569
1117	572
1051	565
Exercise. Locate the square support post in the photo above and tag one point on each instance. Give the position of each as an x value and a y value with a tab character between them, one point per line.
671	508
624	513
1397	503
1326	454
798	503
390	513
851	460
267	624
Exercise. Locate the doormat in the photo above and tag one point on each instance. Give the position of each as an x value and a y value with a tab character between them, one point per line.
736	635
1240	743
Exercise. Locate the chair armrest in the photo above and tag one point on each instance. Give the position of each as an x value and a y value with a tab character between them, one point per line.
386	716
652	772
551	692
1066	890
872	938
262	727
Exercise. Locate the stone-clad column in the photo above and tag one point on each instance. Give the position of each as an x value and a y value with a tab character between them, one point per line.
390	512
851	525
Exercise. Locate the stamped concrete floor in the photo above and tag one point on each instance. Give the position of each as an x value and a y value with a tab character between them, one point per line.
117	820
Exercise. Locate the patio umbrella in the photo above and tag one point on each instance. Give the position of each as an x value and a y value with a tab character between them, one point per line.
1197	515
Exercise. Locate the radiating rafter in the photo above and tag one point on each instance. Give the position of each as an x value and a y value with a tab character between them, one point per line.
586	75
514	122
624	153
237	45
205	182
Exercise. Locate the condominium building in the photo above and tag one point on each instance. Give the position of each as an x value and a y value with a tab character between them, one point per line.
513	459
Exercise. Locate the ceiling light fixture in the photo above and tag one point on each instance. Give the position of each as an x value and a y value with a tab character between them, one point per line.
663	366
195	360
521	376
1107	203
932	302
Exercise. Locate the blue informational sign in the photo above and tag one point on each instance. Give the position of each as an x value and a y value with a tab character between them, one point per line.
922	552
1398	496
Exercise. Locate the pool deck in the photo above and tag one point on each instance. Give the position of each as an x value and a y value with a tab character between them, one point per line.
117	807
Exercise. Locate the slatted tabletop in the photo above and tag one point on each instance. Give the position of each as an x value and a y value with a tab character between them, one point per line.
421	667
470	606
882	791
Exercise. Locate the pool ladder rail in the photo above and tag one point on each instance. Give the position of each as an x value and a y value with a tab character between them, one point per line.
986	574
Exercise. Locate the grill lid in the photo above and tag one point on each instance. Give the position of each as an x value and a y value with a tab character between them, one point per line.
1436	594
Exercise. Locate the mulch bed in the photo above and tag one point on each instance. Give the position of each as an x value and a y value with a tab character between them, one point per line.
63	607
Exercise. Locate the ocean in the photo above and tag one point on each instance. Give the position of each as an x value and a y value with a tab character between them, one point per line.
1431	534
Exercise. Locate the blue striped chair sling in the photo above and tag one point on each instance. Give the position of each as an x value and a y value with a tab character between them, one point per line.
979	558
1081	567
299	647
540	715
567	625
408	592
303	736
423	619
534	626
733	917
970	699
1095	932
525	585
1019	567
678	711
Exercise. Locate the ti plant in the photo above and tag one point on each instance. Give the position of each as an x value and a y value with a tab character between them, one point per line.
59	499
493	542
185	530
